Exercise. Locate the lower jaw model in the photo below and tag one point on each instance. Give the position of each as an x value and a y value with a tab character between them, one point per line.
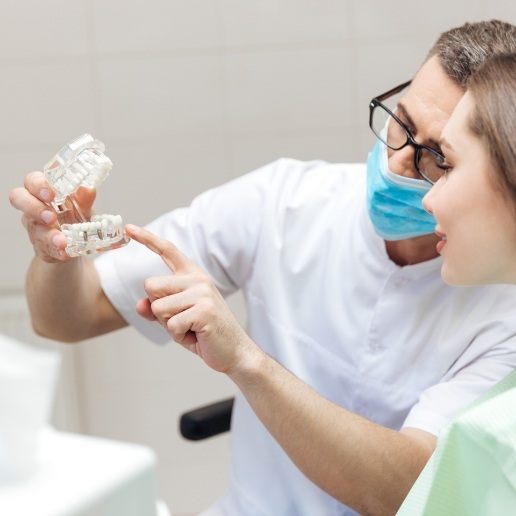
101	233
82	162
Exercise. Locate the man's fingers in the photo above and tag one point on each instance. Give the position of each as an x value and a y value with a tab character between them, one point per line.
32	207
180	328
45	236
161	286
143	307
49	242
169	253
166	307
37	184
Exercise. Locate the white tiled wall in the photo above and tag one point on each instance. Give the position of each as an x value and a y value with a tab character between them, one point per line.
186	95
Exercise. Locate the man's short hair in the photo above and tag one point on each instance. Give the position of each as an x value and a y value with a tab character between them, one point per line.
463	49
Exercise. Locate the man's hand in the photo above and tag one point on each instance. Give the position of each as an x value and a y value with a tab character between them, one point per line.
39	218
190	307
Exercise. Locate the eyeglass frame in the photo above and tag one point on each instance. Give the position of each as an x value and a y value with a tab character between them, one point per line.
377	102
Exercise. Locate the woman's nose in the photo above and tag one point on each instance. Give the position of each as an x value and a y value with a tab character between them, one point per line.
401	162
429	198
427	201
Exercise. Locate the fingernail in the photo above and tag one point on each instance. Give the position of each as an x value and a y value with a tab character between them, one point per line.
132	228
44	194
47	216
56	240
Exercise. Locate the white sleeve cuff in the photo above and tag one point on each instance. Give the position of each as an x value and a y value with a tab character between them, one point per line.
423	419
124	302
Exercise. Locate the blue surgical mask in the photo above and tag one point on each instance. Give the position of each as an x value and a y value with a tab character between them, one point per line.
395	202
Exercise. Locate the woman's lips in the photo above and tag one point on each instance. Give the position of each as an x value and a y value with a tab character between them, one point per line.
440	245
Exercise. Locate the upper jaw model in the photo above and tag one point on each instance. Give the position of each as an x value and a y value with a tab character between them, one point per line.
82	162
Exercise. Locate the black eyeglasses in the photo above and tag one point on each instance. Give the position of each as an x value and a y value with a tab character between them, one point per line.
428	162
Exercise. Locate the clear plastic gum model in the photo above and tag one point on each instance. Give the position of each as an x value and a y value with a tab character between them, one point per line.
82	162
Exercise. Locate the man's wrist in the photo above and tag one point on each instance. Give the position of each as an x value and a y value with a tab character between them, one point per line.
250	365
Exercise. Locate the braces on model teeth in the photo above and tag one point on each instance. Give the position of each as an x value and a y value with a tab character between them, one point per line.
82	162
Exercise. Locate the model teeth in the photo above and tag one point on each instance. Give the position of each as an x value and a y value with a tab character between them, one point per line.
96	166
91	171
103	227
80	163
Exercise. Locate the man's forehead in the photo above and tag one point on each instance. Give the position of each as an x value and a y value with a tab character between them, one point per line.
426	115
431	99
433	84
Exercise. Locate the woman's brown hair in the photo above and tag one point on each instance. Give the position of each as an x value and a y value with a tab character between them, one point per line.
493	120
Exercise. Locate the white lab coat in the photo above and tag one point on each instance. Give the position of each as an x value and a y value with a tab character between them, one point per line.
393	344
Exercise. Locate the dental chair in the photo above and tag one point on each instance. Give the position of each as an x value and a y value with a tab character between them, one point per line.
207	421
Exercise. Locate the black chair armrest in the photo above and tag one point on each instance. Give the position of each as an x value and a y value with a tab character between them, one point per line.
207	421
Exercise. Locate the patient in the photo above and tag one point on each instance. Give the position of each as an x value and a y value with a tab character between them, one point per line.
473	468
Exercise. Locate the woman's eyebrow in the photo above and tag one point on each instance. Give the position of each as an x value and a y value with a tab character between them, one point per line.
431	141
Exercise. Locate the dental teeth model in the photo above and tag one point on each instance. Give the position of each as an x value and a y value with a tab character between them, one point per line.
83	163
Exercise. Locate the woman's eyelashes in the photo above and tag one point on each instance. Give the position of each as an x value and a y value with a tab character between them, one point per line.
446	167
445	164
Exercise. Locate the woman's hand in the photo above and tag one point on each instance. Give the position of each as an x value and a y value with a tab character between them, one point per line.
191	309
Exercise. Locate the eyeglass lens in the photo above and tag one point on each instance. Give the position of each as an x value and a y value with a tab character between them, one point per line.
394	135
